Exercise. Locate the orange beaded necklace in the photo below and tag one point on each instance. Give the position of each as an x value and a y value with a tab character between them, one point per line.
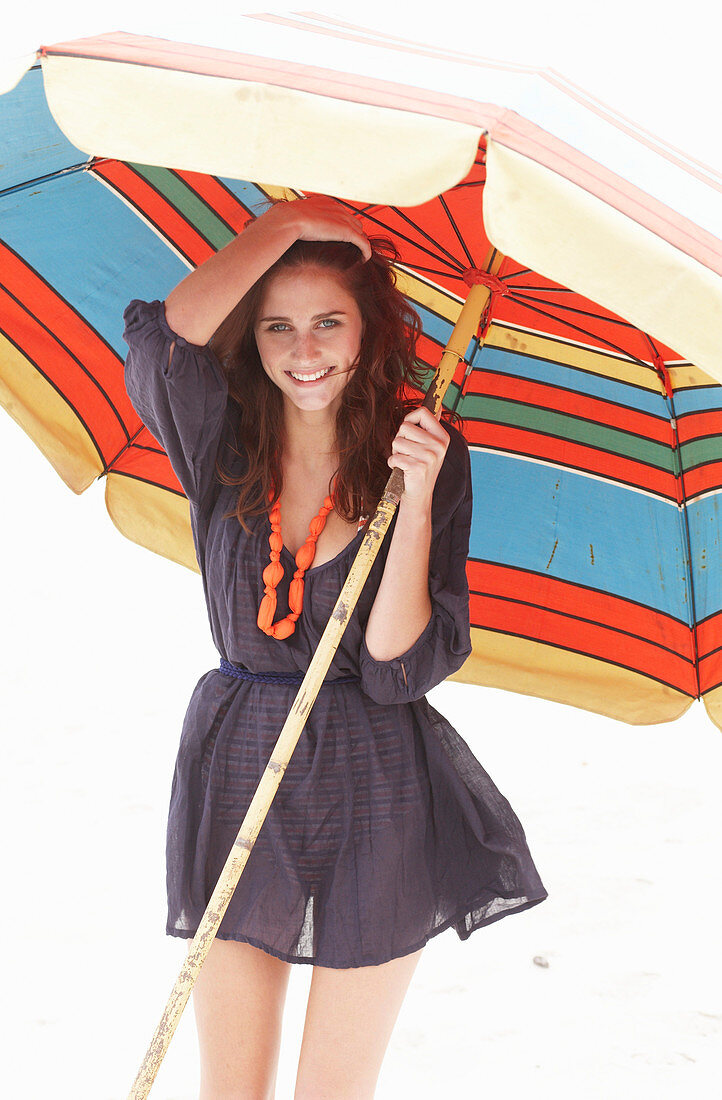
273	572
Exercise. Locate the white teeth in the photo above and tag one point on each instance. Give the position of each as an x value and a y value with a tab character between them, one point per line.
309	377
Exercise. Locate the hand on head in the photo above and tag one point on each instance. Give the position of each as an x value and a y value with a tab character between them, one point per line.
320	218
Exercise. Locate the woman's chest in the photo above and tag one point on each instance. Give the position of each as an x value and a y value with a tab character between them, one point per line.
328	531
234	562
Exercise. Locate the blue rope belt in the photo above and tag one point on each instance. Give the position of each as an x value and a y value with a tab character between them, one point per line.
277	677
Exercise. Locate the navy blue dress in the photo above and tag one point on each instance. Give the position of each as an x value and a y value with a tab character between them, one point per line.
385	829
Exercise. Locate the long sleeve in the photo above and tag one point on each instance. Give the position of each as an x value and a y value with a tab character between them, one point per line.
181	398
445	642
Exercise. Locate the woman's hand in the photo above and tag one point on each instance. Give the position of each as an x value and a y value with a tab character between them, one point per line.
419	449
319	218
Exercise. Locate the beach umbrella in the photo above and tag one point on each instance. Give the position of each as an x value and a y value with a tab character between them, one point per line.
594	410
593	251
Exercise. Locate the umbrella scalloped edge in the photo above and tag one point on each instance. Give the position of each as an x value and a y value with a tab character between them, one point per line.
152	517
533	668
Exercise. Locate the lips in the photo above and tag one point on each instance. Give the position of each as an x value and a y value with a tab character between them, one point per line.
309	378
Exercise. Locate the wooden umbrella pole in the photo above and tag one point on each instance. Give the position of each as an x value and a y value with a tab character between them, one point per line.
464	330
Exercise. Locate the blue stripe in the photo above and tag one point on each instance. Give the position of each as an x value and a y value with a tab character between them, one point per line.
32	144
705	526
577	529
92	249
255	200
703	399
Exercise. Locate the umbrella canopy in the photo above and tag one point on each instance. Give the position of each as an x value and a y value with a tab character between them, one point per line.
591	399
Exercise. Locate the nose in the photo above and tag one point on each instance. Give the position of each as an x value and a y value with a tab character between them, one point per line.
306	349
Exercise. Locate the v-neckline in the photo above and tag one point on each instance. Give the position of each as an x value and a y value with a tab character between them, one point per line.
323	564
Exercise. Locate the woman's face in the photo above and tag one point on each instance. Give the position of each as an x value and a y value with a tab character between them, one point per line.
308	332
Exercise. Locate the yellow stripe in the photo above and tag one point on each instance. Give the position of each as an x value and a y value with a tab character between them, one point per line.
47	419
150	516
534	668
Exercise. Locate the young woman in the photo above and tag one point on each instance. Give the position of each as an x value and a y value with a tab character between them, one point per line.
273	377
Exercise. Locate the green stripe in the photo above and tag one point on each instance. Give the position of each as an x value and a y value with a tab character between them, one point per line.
698	451
185	200
498	410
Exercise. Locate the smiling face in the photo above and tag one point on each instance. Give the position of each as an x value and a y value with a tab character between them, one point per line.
308	333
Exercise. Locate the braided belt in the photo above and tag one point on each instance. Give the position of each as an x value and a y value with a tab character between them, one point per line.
229	669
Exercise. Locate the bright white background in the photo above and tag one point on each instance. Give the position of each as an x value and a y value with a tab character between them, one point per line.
102	646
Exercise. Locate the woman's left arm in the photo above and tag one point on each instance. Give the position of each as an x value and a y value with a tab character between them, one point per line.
418	575
402	608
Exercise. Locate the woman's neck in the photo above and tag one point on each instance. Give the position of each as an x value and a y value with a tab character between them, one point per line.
310	437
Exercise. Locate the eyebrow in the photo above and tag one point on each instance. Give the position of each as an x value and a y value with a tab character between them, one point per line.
326	313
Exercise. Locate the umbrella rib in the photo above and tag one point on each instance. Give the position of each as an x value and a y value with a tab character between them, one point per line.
543	289
383	225
131	442
677	450
58	174
582	312
455	227
442	274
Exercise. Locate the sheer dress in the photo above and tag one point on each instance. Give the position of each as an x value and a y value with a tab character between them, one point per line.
385	829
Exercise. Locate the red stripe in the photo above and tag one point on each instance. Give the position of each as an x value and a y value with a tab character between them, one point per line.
145	460
700	424
709	634
38	300
173	226
60	342
491	384
702	479
573	599
219	199
578	456
601	642
710	672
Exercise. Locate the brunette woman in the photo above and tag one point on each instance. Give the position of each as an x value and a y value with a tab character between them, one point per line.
274	377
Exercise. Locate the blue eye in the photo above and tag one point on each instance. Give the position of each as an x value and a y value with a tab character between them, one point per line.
277	326
329	321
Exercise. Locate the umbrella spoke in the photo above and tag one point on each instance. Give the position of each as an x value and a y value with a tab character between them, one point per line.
455	227
608	319
440	251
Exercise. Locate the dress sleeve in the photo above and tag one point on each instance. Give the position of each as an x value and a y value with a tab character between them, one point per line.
445	642
181	398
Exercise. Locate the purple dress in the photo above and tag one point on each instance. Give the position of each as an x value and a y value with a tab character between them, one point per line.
385	829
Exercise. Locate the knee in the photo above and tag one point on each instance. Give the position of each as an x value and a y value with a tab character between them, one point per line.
322	1088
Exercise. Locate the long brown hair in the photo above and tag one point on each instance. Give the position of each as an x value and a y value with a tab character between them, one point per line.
373	401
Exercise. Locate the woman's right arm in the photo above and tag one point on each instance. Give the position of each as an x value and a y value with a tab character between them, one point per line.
203	299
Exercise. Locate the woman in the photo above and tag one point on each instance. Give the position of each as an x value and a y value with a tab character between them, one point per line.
272	377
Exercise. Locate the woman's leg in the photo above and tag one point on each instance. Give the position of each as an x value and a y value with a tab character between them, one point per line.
238	1000
349	1020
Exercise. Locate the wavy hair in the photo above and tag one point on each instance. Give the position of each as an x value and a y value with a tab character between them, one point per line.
374	401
